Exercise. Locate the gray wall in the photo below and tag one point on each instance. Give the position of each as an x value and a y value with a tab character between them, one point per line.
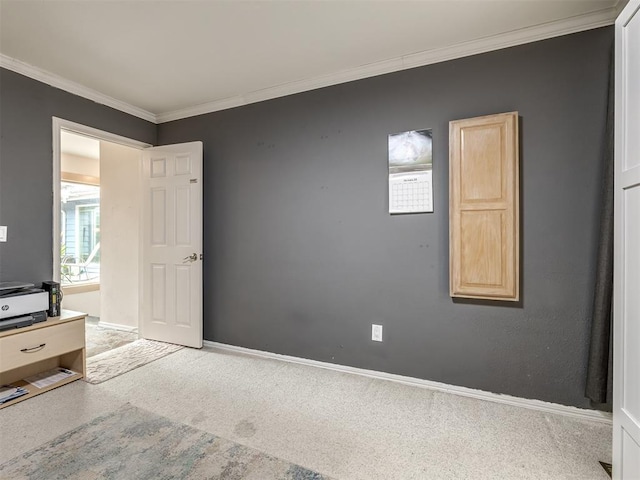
302	256
26	172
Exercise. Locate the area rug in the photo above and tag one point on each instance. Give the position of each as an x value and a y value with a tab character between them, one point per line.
100	338
132	443
107	365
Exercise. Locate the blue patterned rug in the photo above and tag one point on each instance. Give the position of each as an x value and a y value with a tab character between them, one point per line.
131	443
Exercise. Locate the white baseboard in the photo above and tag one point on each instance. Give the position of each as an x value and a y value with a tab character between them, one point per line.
539	405
116	326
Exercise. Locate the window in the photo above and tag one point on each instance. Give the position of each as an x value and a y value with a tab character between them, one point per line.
80	233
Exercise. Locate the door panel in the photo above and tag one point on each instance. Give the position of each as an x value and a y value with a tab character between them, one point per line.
631	459
158	215
632	93
631	305
183	207
172	266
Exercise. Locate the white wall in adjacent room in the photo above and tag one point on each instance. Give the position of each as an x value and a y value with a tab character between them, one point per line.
80	165
86	302
119	233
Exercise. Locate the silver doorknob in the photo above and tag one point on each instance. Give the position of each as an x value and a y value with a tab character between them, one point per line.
191	258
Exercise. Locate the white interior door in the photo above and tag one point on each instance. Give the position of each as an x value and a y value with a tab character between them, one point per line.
172	244
626	405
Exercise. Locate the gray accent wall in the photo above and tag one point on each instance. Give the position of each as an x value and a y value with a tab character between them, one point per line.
26	172
301	256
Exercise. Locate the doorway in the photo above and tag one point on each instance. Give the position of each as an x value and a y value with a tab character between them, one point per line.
96	232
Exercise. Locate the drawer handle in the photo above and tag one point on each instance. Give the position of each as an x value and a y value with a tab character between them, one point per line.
33	349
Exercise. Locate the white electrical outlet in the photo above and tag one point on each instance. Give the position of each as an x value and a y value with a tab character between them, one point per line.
376	332
3	233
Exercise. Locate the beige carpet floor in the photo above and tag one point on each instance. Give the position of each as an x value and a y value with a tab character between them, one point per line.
344	426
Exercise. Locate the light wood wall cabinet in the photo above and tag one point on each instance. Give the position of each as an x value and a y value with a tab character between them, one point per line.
484	207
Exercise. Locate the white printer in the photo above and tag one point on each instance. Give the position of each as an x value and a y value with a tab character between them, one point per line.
21	305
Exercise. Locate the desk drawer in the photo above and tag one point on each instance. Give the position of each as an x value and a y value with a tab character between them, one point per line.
35	345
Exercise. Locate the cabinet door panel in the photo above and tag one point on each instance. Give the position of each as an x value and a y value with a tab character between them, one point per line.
484	207
481	253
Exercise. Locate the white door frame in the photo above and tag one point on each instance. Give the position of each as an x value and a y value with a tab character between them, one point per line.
59	125
626	318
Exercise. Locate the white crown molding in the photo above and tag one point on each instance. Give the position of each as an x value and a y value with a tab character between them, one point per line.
215	106
567	26
72	87
544	31
538	405
379	68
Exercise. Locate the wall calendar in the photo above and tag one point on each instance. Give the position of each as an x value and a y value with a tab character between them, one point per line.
410	172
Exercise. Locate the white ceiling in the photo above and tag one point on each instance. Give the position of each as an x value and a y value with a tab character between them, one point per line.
169	59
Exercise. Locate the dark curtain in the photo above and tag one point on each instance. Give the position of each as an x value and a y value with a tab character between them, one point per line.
598	368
